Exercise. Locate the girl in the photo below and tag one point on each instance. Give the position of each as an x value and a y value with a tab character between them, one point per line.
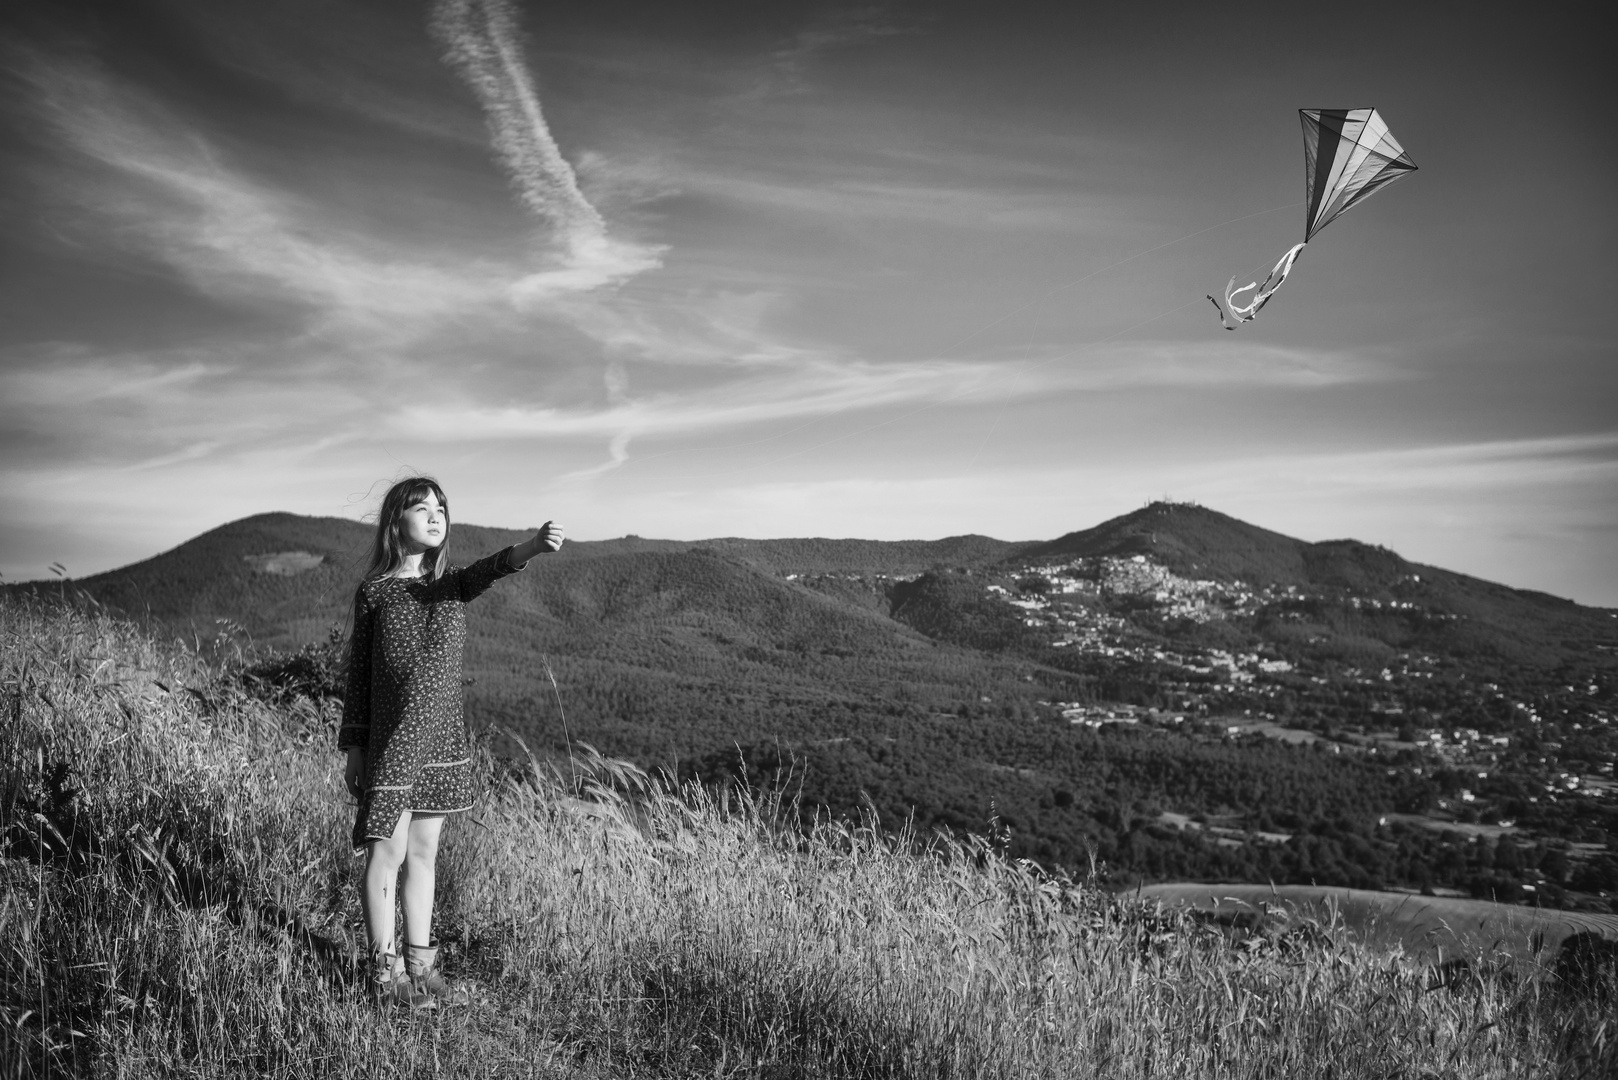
409	760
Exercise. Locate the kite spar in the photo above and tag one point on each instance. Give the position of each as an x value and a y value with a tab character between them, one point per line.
1348	154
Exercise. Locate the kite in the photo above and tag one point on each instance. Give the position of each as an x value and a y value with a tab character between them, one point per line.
1347	155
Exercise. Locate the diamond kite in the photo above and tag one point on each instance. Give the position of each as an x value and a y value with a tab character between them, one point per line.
1347	154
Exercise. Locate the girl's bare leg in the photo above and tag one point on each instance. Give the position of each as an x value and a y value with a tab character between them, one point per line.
420	877
377	898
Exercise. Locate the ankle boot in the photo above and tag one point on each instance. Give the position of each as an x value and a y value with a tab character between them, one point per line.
386	979
421	968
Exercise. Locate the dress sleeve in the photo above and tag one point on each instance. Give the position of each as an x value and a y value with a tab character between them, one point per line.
356	726
470	581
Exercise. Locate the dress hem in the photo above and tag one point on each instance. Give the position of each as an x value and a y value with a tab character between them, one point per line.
368	837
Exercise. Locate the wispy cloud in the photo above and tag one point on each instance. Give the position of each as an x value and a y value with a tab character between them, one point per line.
170	194
483	43
146	409
1453	468
833	29
813	384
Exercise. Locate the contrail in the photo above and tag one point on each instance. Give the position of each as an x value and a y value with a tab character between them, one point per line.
482	42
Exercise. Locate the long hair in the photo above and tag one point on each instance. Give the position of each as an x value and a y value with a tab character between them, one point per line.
388	546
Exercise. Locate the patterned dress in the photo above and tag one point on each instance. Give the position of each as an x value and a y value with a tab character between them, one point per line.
404	694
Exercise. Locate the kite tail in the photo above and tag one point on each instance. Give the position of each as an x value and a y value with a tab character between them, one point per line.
1223	321
1246	312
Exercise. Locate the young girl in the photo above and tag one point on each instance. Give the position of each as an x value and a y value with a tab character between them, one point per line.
409	760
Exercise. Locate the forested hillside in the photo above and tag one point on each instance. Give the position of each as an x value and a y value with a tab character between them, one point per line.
1171	694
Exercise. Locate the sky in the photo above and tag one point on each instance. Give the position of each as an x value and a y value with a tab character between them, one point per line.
890	271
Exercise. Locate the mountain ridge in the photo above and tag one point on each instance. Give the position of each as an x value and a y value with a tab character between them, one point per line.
1186	537
1091	694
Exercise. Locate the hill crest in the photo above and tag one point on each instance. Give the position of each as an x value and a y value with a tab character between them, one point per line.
927	678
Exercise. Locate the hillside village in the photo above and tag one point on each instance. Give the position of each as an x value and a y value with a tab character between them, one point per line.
1128	608
1072	602
1505	754
1073	606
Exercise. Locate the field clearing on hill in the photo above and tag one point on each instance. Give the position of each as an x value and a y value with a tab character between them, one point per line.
1465	828
1432	929
1247	726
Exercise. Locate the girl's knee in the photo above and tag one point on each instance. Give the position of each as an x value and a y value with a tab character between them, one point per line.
423	850
387	854
425	830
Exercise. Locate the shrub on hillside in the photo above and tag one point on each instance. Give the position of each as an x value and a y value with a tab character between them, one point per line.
315	671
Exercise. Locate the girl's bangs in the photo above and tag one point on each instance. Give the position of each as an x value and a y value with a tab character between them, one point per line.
419	491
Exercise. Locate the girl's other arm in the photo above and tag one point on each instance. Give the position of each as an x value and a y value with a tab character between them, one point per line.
545	541
355	731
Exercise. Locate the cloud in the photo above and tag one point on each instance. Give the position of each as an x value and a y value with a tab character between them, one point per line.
591	262
1457	469
483	44
839	198
617	454
833	29
170	194
73	408
802	383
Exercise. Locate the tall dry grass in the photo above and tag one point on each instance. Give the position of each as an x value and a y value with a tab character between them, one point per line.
180	901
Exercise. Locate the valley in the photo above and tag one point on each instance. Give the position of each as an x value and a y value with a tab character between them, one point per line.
1173	695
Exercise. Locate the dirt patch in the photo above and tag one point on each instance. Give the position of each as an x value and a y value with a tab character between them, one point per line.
1243	725
1431	928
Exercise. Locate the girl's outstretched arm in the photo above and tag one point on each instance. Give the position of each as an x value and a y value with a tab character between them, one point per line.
545	541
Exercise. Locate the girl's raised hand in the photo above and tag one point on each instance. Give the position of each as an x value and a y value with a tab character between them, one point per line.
545	541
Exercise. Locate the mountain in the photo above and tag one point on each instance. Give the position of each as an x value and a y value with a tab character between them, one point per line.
1192	540
287	578
1174	691
1472	616
664	650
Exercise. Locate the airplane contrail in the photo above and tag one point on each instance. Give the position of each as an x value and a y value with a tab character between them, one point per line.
482	43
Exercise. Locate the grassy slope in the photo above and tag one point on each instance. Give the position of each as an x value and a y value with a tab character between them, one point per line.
180	902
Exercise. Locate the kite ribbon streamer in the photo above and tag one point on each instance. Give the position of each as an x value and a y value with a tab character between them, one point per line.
1245	313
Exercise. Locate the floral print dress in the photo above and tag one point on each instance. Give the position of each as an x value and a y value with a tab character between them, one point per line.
404	698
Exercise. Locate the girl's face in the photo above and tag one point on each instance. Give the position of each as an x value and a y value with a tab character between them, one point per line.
426	525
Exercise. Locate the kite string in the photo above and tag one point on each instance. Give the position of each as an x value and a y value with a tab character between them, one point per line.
1030	364
945	354
1102	270
1033	363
